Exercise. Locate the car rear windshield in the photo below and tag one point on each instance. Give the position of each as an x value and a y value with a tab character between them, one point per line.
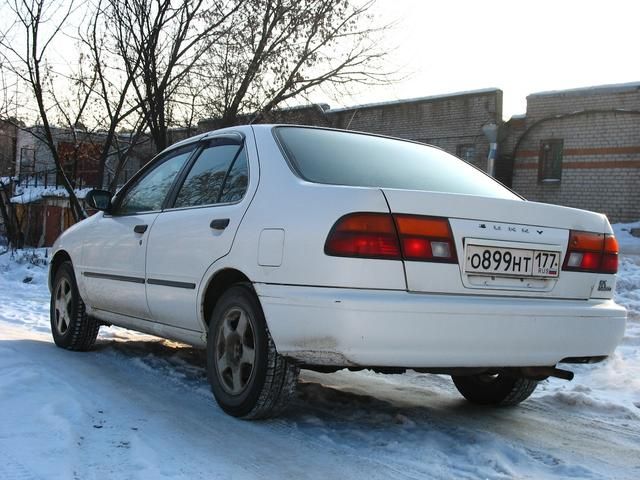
346	158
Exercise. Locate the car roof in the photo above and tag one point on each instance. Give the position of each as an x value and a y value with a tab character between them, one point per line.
201	136
243	129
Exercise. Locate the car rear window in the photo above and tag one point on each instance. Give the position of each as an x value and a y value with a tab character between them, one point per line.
347	158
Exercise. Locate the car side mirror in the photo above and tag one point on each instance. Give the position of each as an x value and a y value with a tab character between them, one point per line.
99	199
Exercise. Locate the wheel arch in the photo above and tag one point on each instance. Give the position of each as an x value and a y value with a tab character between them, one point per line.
219	283
58	259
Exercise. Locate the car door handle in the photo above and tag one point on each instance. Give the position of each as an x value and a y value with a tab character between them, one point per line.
219	223
140	228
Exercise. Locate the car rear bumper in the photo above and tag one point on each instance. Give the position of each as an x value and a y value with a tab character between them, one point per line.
338	326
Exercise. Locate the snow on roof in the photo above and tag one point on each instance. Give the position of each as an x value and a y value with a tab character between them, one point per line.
595	90
416	99
33	194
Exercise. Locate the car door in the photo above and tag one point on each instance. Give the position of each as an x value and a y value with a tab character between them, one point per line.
198	228
114	255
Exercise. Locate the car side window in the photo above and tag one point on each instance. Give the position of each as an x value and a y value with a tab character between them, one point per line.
149	192
237	181
219	175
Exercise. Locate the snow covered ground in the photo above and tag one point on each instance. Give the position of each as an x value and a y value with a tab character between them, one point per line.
628	243
138	407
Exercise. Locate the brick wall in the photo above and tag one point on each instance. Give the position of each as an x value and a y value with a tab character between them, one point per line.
601	150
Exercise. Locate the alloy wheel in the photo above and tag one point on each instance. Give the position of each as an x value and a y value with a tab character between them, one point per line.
235	352
62	306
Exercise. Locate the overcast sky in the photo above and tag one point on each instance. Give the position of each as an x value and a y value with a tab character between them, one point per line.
519	46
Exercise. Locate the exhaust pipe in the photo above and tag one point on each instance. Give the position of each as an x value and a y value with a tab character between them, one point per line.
540	373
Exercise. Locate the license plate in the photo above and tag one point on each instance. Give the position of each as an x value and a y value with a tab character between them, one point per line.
481	259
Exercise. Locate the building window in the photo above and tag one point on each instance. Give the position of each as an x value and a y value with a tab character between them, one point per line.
467	152
27	160
550	161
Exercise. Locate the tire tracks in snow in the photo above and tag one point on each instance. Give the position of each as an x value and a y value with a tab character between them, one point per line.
179	434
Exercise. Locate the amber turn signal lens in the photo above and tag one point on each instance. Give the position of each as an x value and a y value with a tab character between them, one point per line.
423	226
586	241
610	244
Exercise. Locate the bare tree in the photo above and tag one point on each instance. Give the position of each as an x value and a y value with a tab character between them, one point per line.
161	41
284	49
91	98
26	59
8	87
147	65
125	144
115	103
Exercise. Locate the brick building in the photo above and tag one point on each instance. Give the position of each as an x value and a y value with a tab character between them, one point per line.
579	148
79	152
34	207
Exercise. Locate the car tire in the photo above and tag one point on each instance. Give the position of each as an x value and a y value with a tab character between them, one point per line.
501	389
71	327
248	378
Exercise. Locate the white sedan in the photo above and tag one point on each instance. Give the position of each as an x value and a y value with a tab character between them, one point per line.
281	247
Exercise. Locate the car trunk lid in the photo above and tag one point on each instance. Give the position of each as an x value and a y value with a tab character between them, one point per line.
532	236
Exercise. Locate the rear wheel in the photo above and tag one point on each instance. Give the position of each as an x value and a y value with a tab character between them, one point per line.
71	327
498	389
248	377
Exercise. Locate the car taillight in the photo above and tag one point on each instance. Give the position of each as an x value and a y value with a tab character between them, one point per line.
591	252
610	255
426	238
368	235
381	235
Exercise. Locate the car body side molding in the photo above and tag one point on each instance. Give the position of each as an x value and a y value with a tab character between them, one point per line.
150	281
171	283
108	276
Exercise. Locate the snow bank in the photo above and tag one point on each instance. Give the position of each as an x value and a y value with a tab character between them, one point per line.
628	243
23	289
613	386
24	265
33	194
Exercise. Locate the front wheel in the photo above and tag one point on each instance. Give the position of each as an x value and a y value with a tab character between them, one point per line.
71	327
248	377
499	389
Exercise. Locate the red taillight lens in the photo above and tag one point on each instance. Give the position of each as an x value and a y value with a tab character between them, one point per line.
591	252
609	263
368	235
380	235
